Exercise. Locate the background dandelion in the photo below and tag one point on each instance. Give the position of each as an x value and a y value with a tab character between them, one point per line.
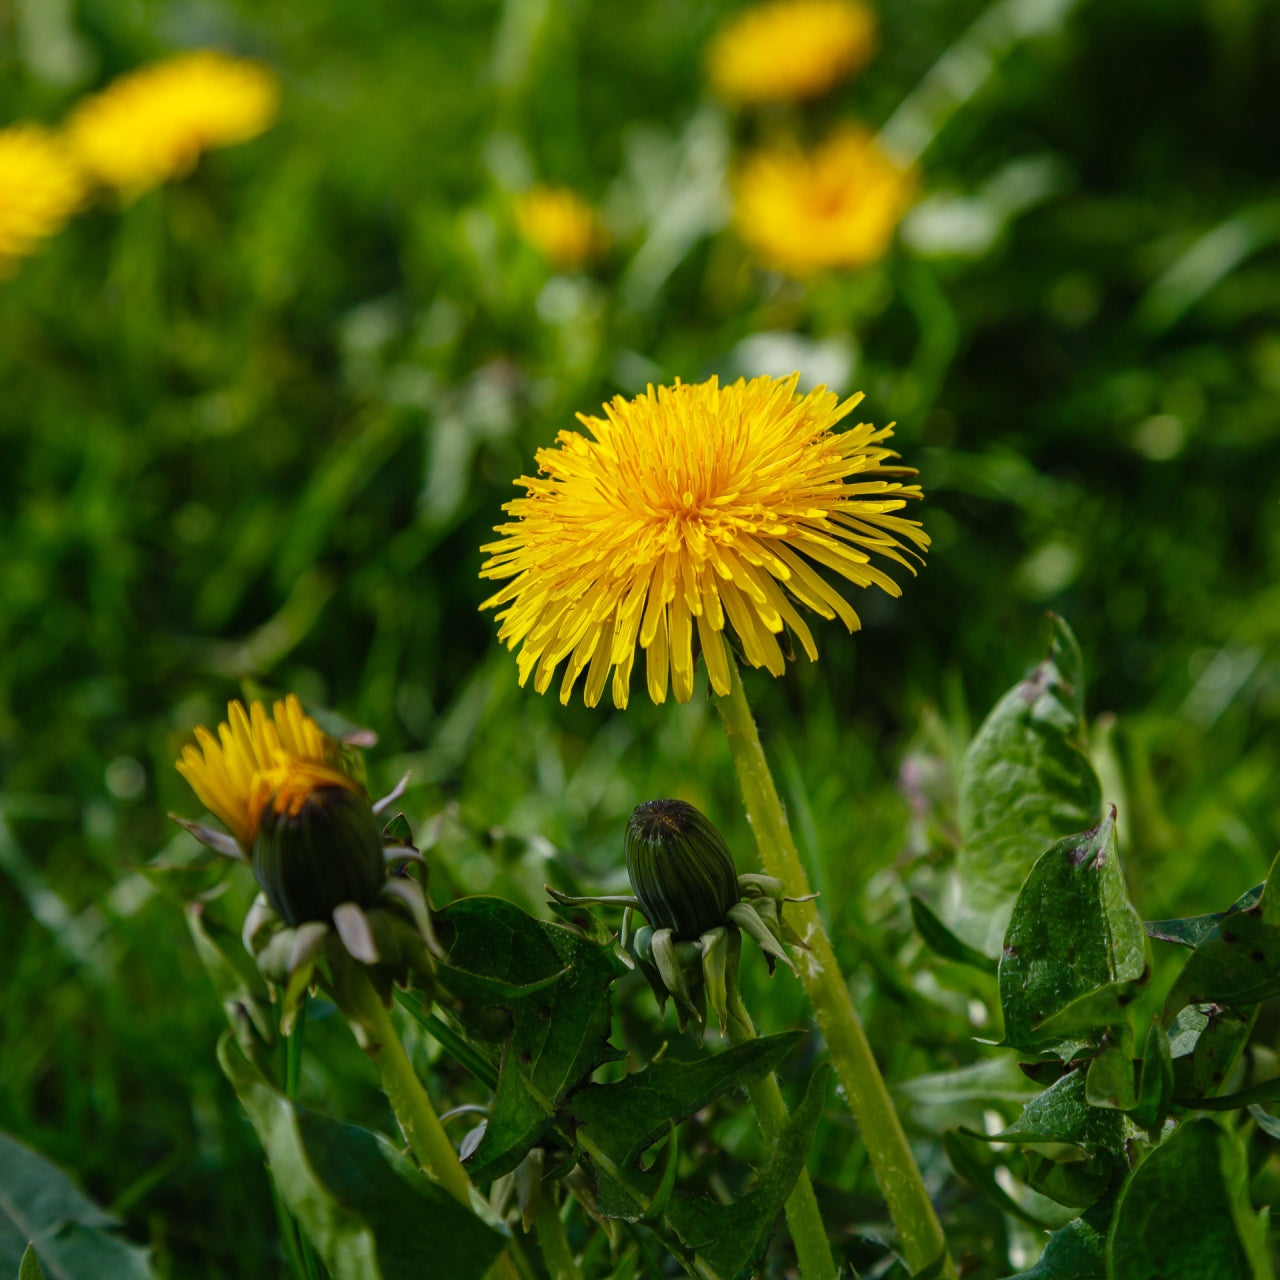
153	124
40	187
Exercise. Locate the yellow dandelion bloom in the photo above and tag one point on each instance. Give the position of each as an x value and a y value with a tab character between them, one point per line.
558	223
40	188
788	50
835	206
255	761
153	124
694	508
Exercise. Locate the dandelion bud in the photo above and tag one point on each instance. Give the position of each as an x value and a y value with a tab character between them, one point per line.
317	847
679	867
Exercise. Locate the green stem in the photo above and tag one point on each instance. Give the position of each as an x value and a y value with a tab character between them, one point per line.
422	1128
803	1217
297	1244
554	1244
895	1168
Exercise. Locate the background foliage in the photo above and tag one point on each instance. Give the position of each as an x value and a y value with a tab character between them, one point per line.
255	425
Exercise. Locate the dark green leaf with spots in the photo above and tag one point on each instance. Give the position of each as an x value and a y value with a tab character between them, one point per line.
1075	949
1200	1074
1025	783
1237	961
1062	1114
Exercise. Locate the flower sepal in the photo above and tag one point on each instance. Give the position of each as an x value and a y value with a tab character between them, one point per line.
393	939
218	841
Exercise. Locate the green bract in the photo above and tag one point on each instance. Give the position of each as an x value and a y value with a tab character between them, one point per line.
680	868
328	853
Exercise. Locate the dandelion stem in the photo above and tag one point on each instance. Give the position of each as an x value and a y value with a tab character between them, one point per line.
417	1117
302	1256
895	1167
803	1217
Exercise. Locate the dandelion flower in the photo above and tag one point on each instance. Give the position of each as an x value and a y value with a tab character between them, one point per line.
256	761
835	206
789	50
152	125
694	509
40	188
560	225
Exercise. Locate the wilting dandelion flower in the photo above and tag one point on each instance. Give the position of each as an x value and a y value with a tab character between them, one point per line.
255	761
788	50
40	188
153	124
694	508
835	206
297	811
562	227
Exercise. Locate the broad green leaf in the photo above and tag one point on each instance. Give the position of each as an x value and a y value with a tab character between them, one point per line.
1062	1114
1193	930
43	1214
1076	1252
1025	783
369	1213
1075	947
943	942
1184	1213
625	1117
1201	1074
553	1027
1238	960
235	978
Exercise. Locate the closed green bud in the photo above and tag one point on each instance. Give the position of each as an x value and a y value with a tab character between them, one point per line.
318	852
680	868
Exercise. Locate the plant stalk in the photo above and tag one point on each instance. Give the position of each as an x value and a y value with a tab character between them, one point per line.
813	1252
417	1117
302	1255
895	1167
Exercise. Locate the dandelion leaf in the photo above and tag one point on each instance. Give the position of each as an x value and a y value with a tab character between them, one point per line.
549	1035
48	1227
1185	1212
1075	951
1025	782
369	1213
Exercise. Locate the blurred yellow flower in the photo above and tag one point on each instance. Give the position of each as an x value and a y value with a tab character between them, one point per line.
787	50
694	506
40	188
835	206
558	223
153	124
256	761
